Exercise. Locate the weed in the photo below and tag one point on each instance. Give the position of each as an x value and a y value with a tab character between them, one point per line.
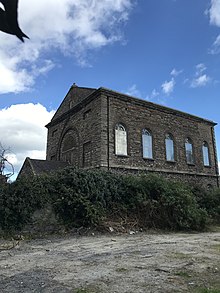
121	270
181	255
206	290
83	290
183	274
216	247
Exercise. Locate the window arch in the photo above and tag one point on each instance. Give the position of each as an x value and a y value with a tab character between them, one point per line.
147	144
120	140
189	151
169	143
205	153
69	147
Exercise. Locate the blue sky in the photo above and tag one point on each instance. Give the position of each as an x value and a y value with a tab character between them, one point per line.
165	51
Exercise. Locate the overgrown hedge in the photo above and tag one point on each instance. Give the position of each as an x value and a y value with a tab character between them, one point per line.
89	198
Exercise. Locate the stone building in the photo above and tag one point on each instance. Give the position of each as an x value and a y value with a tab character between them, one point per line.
101	128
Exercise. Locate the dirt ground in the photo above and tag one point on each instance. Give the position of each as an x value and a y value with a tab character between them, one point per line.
132	263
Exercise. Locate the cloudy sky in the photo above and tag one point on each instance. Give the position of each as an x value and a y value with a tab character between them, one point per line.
165	51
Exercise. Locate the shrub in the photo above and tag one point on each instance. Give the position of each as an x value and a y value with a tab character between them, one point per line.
210	201
86	198
18	201
164	204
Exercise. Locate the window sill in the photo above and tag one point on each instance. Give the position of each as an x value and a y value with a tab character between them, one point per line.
207	166
122	156
191	164
148	159
171	162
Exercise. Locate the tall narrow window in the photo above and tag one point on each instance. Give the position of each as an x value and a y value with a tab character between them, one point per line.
169	147
189	151
120	140
147	144
205	152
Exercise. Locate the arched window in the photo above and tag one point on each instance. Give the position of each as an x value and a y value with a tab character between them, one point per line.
147	144
120	140
169	147
69	147
189	151
205	153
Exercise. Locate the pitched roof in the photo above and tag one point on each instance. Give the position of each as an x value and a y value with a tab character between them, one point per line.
37	167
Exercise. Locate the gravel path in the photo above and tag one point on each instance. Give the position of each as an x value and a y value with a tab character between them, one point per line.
137	263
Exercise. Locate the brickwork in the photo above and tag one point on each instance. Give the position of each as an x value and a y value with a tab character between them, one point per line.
90	126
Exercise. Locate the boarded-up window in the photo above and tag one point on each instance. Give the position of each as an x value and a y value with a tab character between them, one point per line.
205	152
169	147
69	150
189	151
120	140
68	143
147	144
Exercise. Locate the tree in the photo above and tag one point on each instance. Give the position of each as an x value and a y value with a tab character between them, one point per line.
5	165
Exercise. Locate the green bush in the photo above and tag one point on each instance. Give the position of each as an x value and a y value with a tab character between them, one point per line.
88	198
82	198
164	204
19	200
210	201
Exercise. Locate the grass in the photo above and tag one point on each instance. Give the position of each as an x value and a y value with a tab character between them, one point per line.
206	290
216	247
181	255
183	274
84	290
121	270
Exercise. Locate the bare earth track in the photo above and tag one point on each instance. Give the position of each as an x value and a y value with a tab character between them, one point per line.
112	263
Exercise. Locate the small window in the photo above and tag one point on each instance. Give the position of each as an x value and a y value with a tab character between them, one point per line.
205	153
169	147
189	151
147	144
120	140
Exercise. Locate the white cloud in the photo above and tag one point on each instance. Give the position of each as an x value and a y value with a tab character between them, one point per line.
153	95
214	12
200	81
200	68
168	86
22	130
69	27
200	78
133	91
215	49
175	72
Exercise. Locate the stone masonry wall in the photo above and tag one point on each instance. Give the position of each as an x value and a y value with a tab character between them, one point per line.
136	117
86	123
93	121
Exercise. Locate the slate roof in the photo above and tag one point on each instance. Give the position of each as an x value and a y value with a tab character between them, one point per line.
42	166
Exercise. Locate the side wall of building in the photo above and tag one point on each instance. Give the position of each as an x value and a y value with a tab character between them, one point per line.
135	117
